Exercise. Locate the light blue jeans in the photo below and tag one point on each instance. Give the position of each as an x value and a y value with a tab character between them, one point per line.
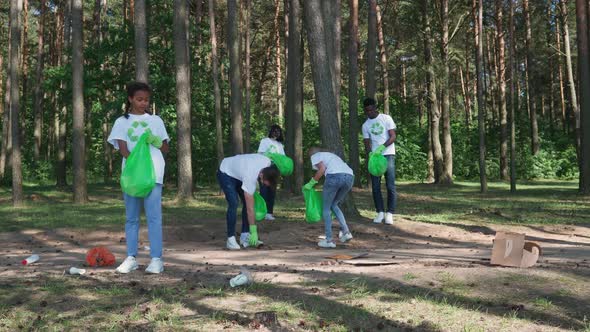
152	205
336	187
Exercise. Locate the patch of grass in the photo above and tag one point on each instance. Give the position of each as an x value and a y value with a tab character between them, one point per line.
451	283
543	303
113	290
55	286
409	276
212	292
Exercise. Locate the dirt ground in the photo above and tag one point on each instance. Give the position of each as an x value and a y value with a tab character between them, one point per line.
194	254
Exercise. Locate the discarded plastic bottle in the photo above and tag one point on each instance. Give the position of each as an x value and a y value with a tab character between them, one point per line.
30	260
75	270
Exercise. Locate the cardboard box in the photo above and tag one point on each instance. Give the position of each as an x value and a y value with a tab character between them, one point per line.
511	249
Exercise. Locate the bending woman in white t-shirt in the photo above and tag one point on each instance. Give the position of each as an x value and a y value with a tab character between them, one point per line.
274	144
124	137
237	177
339	179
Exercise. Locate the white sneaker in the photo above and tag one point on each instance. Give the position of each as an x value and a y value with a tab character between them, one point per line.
156	266
379	218
269	217
231	243
344	237
389	218
128	265
325	244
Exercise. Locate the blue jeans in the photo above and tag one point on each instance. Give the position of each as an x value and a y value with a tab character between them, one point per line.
232	188
336	187
152	204
269	197
389	182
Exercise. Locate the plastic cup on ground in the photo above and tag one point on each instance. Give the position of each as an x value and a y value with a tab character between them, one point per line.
30	260
244	278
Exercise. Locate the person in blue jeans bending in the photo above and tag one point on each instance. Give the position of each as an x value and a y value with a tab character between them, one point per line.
339	179
379	137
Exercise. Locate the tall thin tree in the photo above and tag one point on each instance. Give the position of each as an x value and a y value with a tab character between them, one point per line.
501	81
371	84
216	89
531	92
584	78
38	101
141	42
233	45
78	137
447	141
513	100
353	103
183	100
16	7
478	20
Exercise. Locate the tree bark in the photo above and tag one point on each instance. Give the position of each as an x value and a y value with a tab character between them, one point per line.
447	141
61	168
24	72
432	100
513	101
183	100
353	103
371	84
216	89
558	30
331	15
247	83
38	102
280	111
78	133
583	117
6	122
478	20
501	81
141	42
383	59
233	45
531	92
16	7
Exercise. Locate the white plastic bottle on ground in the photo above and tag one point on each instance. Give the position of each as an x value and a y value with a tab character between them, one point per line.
30	260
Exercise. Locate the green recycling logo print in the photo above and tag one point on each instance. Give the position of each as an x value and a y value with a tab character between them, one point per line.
134	126
377	129
272	149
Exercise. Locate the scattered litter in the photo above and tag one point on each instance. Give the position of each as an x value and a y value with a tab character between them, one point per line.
343	257
266	318
30	260
146	248
75	270
100	256
244	278
511	249
368	262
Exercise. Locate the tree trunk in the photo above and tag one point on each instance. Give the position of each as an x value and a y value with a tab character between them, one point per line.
16	7
61	168
513	101
141	42
233	45
558	29
331	14
383	58
277	36
478	20
78	137
24	73
432	100
501	81
353	103
323	87
183	100
531	92
583	117
247	84
371	87
294	109
447	142
570	77
6	122
38	103
216	89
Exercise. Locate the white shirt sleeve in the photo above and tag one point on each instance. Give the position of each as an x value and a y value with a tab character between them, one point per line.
118	132
263	146
389	124
365	131
315	160
161	129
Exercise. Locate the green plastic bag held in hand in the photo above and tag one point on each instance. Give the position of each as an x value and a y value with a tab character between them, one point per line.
313	205
139	177
377	164
259	207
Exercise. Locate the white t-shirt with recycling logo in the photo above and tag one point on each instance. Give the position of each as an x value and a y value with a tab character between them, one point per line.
377	130
131	129
333	163
246	168
271	145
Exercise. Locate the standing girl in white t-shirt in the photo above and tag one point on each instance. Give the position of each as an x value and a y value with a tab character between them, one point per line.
124	137
273	144
339	179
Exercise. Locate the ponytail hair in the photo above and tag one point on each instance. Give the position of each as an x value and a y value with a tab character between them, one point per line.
132	88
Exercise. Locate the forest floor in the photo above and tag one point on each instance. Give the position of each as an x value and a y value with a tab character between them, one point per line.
433	271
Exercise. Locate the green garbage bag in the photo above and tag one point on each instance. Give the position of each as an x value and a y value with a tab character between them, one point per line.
313	205
259	207
377	164
283	163
139	177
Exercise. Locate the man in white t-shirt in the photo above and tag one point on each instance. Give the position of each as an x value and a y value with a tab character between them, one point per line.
379	137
